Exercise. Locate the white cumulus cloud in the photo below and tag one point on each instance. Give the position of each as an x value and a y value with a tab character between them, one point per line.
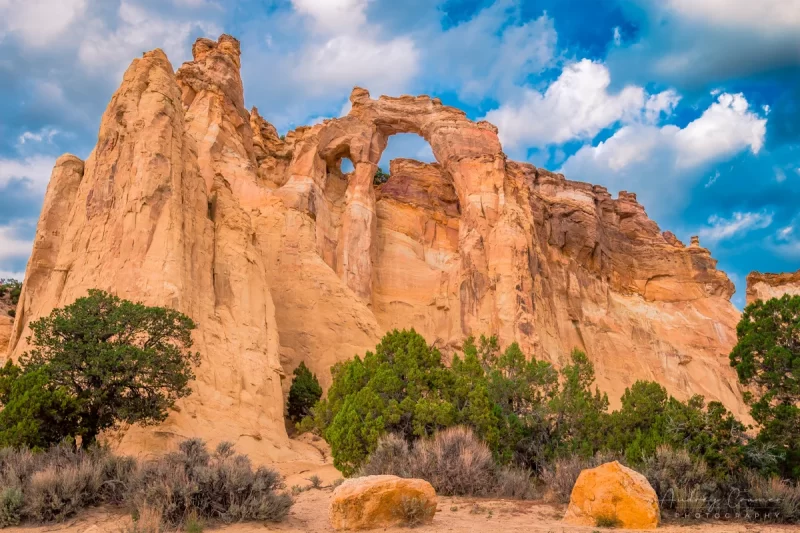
738	224
577	105
138	30
335	16
12	246
33	171
345	51
763	15
39	22
45	134
660	162
725	128
496	54
344	61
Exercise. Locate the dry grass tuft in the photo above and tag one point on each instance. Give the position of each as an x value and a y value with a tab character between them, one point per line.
454	461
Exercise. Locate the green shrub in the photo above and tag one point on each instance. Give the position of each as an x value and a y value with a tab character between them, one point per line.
95	364
514	404
397	389
304	393
380	177
767	360
650	418
11	501
608	521
35	414
12	288
194	483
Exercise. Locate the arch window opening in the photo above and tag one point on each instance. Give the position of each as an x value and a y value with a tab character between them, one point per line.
402	145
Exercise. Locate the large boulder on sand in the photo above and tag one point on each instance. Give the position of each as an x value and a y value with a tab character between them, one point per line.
612	493
372	502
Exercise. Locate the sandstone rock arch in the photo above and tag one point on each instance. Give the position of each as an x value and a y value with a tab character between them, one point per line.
291	263
468	154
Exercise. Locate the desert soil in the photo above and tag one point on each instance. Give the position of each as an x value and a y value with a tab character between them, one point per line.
310	515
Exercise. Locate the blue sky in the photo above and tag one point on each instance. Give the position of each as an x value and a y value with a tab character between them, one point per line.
692	104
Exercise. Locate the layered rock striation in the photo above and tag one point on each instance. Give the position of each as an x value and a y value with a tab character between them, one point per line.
192	201
766	286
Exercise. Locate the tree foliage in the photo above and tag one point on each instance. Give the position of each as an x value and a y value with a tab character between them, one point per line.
528	412
13	289
34	414
650	418
380	177
515	404
304	393
95	364
767	359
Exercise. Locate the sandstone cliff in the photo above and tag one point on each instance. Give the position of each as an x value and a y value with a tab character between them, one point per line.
765	286
6	324
192	201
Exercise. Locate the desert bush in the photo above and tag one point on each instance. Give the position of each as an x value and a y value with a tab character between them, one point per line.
392	456
559	476
682	483
221	486
53	485
12	288
773	495
608	521
514	482
412	511
11	502
303	394
454	461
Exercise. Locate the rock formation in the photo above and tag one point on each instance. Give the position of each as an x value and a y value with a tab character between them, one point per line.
765	286
614	493
191	201
377	502
6	324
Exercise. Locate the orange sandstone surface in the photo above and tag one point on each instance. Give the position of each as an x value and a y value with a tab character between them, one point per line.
191	201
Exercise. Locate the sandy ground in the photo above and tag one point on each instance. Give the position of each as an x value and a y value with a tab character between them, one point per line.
310	515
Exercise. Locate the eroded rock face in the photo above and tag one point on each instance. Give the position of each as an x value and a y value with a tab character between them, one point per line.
6	324
612	492
766	286
377	502
192	201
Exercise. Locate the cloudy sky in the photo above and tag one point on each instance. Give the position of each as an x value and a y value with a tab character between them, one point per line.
692	104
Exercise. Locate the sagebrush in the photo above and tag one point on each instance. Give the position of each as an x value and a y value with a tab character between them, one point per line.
220	486
190	486
454	461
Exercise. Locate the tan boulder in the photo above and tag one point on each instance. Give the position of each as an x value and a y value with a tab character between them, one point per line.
615	493
373	502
